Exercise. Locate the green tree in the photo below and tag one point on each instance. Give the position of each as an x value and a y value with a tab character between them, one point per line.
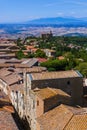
30	55
20	54
82	67
40	53
55	64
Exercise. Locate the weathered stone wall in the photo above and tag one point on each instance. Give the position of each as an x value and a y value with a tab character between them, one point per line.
53	102
72	86
39	107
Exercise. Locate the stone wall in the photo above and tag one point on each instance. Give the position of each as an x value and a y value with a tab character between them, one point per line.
72	86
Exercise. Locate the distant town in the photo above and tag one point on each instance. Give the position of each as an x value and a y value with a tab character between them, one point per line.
14	31
43	78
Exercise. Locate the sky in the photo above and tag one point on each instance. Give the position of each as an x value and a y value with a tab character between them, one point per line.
25	10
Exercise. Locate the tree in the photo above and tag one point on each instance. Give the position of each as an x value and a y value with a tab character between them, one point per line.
30	55
20	44
20	54
82	67
55	64
40	53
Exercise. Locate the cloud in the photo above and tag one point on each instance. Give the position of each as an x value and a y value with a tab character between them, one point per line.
69	14
33	17
83	3
74	2
60	14
51	4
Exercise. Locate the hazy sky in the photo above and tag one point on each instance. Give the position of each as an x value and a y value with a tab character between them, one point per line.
23	10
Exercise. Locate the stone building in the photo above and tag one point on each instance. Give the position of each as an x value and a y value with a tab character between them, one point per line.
41	101
46	36
50	53
37	96
7	121
11	83
70	82
17	98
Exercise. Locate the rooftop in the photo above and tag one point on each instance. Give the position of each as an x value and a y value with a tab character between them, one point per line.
7	122
55	119
4	72
8	55
12	78
16	65
78	122
30	62
64	118
49	93
35	69
55	75
17	87
5	103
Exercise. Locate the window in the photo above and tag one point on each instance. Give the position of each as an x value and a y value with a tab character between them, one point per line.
68	83
37	103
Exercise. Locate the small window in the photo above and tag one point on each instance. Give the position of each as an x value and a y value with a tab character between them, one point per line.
37	103
68	83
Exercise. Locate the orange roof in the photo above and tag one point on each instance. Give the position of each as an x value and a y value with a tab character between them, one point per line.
49	93
34	49
55	119
42	60
61	58
78	122
25	53
29	47
64	118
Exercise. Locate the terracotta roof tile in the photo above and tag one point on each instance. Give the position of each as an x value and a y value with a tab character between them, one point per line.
49	93
7	122
13	78
4	72
78	122
55	75
55	119
35	69
17	87
64	118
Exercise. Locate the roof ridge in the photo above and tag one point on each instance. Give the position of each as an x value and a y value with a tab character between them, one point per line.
52	90
68	121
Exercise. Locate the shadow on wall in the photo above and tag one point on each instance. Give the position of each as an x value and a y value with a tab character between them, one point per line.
21	124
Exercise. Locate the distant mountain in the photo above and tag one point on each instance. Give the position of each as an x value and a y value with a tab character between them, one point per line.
83	19
58	20
76	34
